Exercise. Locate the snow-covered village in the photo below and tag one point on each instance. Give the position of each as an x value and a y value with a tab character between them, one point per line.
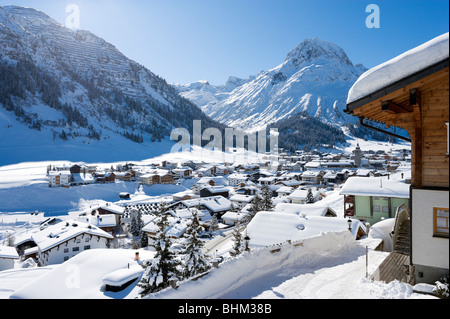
350	201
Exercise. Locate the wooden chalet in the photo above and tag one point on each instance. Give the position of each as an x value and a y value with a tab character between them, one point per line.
415	97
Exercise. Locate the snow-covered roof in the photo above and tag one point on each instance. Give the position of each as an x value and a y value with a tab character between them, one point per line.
271	228
375	186
122	276
301	194
213	203
107	220
302	209
238	176
8	252
398	68
56	234
242	198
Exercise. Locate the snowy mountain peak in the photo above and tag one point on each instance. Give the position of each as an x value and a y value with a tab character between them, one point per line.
315	77
316	50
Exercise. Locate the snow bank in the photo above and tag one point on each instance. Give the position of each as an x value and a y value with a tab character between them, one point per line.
251	273
81	277
375	186
408	63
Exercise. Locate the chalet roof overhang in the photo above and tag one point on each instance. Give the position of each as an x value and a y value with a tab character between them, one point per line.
393	105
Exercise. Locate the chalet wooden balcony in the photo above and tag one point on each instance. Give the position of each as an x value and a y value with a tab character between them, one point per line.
349	212
349	199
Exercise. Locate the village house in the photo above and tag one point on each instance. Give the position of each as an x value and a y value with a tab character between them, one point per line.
60	242
372	199
181	172
209	191
300	196
216	205
59	178
237	179
275	228
312	177
104	177
235	218
411	92
106	209
150	179
240	201
7	257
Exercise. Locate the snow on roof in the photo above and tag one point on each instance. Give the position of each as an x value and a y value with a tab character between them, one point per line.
213	203
301	194
8	252
107	220
238	176
120	277
396	69
271	228
299	209
242	198
375	186
92	265
56	234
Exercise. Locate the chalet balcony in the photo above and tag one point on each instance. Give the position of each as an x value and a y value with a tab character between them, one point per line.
349	212
349	199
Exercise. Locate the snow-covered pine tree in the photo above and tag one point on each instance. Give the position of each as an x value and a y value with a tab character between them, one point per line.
134	226
256	205
163	267
214	224
267	204
237	245
195	261
309	197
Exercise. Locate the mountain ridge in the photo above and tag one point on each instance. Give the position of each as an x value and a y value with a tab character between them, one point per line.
77	88
315	77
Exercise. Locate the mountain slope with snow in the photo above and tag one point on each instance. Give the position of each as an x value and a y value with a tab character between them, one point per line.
67	92
315	77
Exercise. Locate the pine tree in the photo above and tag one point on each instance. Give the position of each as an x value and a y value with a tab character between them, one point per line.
214	224
237	249
266	203
163	267
309	197
256	205
195	261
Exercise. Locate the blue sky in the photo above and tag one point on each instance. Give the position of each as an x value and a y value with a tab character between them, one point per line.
188	40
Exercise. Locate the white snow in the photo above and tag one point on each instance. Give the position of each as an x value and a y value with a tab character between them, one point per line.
325	267
375	186
408	63
81	277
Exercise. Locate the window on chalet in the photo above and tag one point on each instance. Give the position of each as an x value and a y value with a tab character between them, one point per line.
440	220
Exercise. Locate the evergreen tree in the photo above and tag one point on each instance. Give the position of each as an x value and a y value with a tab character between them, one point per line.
137	224
195	261
256	205
309	197
266	203
134	226
237	245
144	239
214	224
163	267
